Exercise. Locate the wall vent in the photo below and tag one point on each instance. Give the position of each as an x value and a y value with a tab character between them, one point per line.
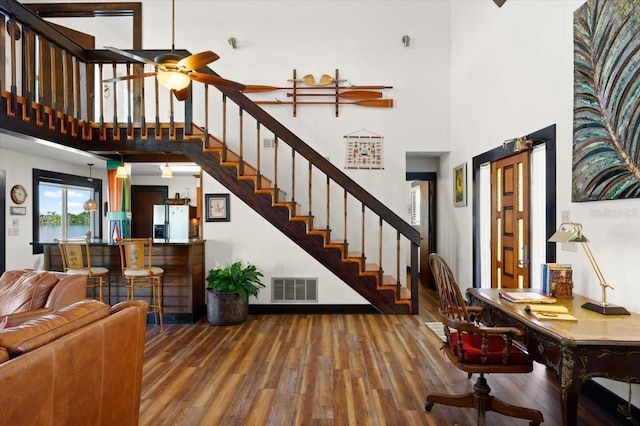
294	290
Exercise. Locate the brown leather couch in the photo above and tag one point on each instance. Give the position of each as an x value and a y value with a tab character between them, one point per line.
80	365
27	294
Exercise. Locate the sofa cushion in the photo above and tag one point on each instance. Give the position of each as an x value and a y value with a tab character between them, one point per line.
24	290
40	331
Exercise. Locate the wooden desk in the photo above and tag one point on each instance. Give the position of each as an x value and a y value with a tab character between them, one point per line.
594	346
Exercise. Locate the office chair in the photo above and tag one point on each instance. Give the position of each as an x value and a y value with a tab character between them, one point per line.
474	348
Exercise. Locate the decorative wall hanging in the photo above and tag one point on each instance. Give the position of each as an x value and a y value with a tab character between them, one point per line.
460	185
217	208
331	91
364	150
606	115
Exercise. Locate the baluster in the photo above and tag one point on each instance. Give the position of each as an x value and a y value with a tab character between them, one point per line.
65	87
363	228
144	135
129	105
258	174
206	116
346	245
276	191
156	89
241	164
172	124
116	131
398	263
101	101
14	65
224	128
29	58
310	195
40	116
328	209
77	110
380	249
293	179
53	118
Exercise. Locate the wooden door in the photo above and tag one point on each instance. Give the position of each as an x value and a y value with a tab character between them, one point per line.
143	198
510	222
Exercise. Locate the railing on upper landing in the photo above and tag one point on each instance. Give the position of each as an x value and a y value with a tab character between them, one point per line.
48	77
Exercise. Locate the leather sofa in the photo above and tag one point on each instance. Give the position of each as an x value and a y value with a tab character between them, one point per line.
27	294
80	365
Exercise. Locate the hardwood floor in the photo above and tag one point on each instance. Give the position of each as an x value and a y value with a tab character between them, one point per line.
323	370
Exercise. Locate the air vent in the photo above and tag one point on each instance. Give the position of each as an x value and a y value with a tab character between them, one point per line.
294	290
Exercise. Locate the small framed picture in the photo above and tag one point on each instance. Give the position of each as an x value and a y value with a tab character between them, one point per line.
217	207
460	185
18	211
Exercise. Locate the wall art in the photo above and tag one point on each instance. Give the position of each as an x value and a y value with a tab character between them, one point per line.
606	115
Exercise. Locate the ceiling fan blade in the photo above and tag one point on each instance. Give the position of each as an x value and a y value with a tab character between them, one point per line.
499	2
216	81
181	95
198	60
129	77
132	56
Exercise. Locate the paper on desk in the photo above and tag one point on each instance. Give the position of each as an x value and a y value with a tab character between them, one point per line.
550	313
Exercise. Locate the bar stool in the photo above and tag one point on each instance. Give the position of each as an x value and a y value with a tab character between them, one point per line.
139	272
74	253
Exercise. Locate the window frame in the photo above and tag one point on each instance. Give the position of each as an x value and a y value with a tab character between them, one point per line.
64	179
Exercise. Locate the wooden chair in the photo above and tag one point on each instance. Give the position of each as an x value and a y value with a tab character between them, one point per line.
76	259
477	349
136	258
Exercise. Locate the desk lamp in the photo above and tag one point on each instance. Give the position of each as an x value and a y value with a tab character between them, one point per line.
571	232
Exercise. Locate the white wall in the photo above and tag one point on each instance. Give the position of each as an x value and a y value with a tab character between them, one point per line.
512	74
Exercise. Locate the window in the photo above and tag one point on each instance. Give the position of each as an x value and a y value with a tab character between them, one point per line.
58	207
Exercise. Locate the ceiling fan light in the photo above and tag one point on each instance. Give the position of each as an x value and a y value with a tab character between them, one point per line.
173	80
166	171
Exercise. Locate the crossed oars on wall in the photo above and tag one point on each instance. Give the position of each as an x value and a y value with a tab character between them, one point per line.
327	86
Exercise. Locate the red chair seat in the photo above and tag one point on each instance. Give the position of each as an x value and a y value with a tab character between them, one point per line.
472	344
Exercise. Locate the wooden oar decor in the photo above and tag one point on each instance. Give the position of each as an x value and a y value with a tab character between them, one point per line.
326	86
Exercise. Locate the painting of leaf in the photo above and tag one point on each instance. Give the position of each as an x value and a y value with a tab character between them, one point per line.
606	116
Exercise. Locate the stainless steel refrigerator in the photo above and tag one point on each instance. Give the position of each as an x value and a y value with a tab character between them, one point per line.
171	222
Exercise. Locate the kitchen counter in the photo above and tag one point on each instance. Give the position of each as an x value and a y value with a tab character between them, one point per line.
183	283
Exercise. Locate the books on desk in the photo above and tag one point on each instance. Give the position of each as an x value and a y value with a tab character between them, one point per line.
526	297
550	313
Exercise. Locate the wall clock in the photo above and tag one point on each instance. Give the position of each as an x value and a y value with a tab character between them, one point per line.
18	194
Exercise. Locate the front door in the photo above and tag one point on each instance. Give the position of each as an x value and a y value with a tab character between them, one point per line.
510	221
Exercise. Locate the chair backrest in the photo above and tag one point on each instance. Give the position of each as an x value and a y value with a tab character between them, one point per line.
135	253
452	303
74	253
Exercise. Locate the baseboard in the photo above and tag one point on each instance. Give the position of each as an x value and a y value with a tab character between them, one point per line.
607	401
284	309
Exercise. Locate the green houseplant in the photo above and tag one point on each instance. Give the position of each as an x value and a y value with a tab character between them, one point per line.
228	292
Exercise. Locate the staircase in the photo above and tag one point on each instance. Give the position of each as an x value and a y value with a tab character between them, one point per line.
292	186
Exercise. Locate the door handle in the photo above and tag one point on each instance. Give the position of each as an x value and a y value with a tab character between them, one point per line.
524	258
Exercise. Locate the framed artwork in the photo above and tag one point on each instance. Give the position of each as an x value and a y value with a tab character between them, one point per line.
217	207
460	185
364	150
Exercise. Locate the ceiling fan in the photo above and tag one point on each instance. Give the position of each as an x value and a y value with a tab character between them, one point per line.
499	2
174	72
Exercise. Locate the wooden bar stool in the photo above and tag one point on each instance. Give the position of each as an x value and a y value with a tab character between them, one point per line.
76	259
139	272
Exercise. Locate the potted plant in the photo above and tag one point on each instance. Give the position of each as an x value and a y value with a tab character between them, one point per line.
228	292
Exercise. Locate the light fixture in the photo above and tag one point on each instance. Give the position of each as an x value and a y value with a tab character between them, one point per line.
233	42
571	232
90	205
170	77
406	40
166	171
121	171
519	144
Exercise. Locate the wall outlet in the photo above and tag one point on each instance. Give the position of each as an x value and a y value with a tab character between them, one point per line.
565	216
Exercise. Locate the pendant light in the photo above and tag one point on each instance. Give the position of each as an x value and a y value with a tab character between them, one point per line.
166	171
90	205
121	171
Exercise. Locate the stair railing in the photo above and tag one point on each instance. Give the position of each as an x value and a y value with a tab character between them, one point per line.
48	64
